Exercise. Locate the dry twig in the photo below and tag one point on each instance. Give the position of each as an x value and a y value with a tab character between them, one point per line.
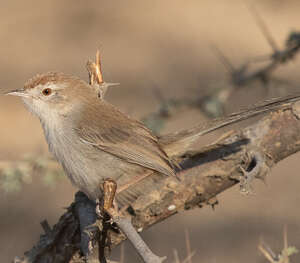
284	256
242	77
96	76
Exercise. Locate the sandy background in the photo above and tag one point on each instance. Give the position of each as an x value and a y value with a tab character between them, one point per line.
146	44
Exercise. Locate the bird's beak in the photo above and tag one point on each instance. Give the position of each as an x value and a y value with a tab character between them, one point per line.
18	92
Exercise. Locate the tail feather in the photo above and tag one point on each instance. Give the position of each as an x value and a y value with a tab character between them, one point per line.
177	143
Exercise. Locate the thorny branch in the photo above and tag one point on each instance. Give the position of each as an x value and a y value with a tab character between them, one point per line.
205	174
241	77
284	256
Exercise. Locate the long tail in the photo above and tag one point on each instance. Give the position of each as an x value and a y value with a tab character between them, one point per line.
177	143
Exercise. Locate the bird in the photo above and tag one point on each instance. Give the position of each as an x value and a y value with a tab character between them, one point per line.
93	140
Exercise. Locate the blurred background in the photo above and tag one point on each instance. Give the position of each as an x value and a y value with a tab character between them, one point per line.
160	52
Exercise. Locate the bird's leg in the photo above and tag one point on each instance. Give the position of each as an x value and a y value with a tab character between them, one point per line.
110	207
101	206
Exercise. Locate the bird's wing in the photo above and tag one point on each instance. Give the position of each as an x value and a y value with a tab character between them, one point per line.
113	132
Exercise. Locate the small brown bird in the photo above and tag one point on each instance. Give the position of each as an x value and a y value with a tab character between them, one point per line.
93	140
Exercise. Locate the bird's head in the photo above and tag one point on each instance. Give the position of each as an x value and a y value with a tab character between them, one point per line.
55	93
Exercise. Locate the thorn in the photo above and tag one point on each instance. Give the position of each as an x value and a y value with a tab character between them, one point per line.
110	84
96	77
267	252
176	257
222	58
285	239
95	71
122	253
98	67
46	227
188	245
263	27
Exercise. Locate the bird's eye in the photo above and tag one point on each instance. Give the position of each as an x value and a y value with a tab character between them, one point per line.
47	91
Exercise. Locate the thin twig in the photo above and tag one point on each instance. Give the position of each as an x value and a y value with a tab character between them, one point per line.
188	246
122	253
189	257
96	76
284	256
176	256
241	76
